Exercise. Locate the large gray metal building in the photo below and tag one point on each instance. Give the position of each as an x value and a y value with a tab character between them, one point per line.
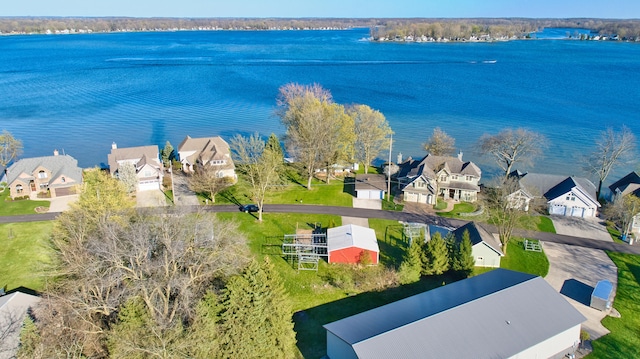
499	314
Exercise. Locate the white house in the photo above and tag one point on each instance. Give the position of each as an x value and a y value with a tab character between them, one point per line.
206	151
450	177
565	196
499	314
485	248
145	159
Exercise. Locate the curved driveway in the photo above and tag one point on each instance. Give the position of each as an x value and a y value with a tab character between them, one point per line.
391	215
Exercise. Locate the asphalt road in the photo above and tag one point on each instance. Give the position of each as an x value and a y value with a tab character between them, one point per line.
392	215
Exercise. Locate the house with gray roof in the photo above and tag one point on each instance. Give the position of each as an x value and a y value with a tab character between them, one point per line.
53	176
450	177
485	247
370	186
206	151
13	309
145	160
499	314
565	196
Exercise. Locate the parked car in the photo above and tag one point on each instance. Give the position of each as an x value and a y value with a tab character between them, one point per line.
249	208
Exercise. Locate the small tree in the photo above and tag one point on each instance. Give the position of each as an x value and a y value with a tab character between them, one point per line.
622	211
167	154
411	266
372	133
440	143
463	261
10	148
364	259
502	211
127	175
611	150
206	180
436	256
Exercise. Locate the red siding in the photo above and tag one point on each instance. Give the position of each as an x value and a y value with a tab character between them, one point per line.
350	255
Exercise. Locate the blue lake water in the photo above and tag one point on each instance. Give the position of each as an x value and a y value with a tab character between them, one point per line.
80	93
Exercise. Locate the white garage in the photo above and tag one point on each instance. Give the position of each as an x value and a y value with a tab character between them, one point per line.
370	186
148	185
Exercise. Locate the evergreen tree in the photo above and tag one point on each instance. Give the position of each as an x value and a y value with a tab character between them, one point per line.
437	256
167	154
256	319
411	267
273	144
203	335
463	261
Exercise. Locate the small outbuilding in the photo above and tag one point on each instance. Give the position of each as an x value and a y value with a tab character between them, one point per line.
371	186
348	243
602	295
485	248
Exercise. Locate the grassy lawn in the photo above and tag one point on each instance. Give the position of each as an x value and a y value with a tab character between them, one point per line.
519	259
614	232
12	208
623	341
545	224
462	207
23	252
536	223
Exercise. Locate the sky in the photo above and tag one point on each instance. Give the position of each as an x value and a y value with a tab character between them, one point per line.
617	9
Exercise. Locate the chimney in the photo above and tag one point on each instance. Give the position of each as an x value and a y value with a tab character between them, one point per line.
460	155
55	152
399	158
113	146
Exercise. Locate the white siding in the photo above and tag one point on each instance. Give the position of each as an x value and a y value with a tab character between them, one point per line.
555	347
485	256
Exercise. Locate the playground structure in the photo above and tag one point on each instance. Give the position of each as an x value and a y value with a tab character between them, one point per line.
419	231
305	248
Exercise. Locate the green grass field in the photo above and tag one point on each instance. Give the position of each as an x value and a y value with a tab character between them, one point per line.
462	207
13	208
23	253
623	341
519	259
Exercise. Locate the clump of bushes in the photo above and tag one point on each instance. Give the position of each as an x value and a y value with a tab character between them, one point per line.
361	278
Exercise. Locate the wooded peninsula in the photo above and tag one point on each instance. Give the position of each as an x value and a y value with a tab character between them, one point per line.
414	29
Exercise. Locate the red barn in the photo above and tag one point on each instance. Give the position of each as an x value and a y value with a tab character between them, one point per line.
345	244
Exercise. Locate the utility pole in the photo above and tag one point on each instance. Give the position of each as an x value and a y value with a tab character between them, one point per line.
389	169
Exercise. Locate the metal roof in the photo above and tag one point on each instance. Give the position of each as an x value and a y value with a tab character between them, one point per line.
13	308
603	290
351	235
494	315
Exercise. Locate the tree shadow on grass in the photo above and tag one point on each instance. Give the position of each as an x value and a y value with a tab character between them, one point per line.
308	323
349	186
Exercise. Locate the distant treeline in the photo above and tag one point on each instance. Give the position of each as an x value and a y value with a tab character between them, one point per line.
381	29
488	29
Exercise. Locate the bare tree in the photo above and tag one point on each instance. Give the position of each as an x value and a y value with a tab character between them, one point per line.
372	133
622	212
127	175
503	212
440	143
612	149
318	130
10	148
263	166
509	147
206	180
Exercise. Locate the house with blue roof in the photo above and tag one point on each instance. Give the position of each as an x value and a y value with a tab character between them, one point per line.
565	196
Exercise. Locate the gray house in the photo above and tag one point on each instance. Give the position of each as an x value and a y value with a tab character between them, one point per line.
565	196
499	314
485	247
433	176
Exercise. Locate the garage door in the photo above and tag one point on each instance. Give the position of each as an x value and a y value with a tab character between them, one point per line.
375	194
557	210
148	185
63	192
577	212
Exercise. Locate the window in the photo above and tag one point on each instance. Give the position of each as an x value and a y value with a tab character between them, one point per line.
454	177
469	178
19	188
42	174
443	178
63	180
420	184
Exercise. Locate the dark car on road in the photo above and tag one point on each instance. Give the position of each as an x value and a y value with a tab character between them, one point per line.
249	208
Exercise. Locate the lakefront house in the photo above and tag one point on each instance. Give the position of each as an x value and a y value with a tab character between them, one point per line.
206	151
146	161
50	176
439	176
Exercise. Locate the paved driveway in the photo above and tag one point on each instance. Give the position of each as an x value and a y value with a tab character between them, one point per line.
182	195
61	204
574	272
581	227
153	198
